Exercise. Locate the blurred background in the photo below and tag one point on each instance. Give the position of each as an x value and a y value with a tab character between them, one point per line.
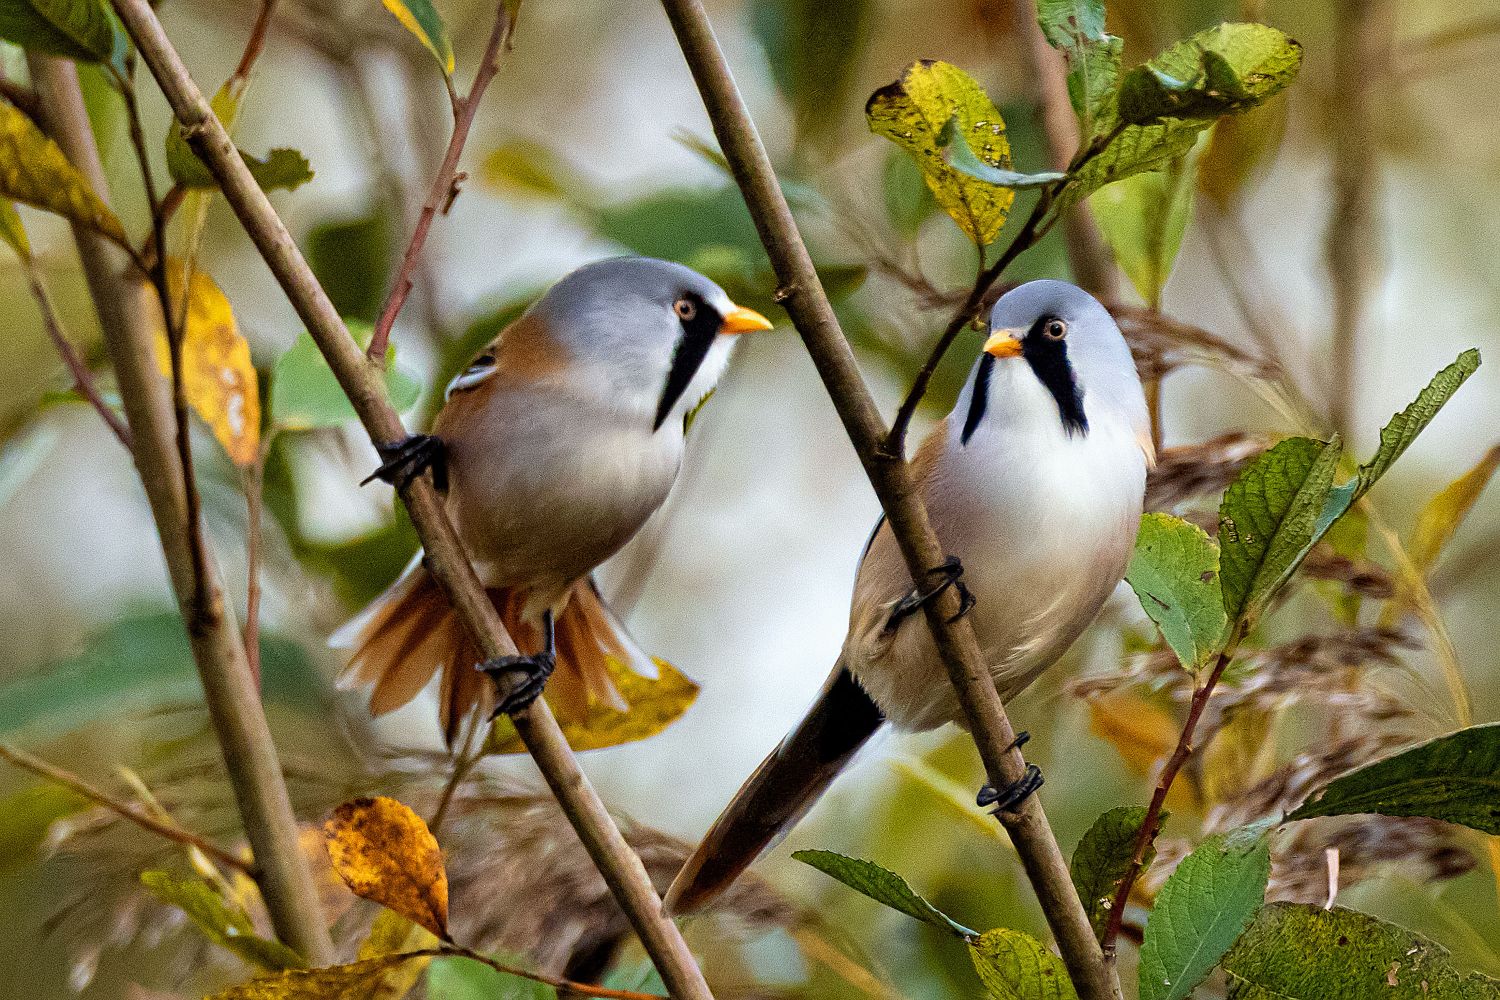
591	142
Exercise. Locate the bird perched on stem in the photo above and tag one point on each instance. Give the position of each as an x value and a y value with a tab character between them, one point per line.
553	448
1034	482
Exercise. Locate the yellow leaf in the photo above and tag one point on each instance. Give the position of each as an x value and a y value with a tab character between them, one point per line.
13	232
393	934
385	853
654	705
1143	733
218	377
421	19
357	981
912	112
1229	762
34	171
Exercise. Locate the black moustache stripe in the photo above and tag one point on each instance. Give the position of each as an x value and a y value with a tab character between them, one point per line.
1049	360
980	399
692	347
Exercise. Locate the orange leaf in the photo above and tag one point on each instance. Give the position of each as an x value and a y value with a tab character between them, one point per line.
385	853
218	377
1143	732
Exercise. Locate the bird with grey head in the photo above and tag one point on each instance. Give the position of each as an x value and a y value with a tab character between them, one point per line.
1034	484
552	449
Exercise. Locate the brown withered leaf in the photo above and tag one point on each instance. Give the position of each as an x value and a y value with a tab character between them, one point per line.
384	852
1360	576
1194	471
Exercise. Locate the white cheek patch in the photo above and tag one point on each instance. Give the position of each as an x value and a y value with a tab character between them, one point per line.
471	376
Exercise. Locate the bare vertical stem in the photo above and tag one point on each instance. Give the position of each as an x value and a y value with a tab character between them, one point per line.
445	184
255	484
802	295
364	384
233	702
1351	244
1092	263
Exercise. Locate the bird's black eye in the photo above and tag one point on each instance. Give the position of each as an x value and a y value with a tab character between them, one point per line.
686	309
1055	329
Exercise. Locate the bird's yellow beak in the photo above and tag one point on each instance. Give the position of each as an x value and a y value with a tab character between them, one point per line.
1004	344
742	320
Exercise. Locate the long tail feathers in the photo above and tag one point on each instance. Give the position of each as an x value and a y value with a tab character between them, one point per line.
410	632
780	791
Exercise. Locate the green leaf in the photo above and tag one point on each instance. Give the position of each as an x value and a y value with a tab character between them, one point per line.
26	818
281	169
75	29
530	169
1016	966
1134	129
912	113
1175	575
814	47
225	925
1103	857
422	20
305	395
1268	521
12	231
883	886
1397	435
1299	952
960	157
34	171
1142	218
1455	778
351	258
1076	28
138	663
1227	68
1203	907
461	978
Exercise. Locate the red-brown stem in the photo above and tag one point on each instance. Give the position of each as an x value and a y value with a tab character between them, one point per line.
557	982
83	379
445	184
255	44
255	481
171	831
1180	755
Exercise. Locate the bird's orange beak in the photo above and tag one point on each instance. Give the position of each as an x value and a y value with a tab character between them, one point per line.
1003	344
742	320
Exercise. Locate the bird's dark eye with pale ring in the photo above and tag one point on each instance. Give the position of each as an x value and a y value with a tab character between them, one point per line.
1055	329
686	309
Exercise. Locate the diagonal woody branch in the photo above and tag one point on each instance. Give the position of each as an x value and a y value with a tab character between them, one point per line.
801	293
363	383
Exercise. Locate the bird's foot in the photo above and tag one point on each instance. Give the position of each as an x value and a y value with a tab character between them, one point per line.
949	574
408	458
533	670
1012	795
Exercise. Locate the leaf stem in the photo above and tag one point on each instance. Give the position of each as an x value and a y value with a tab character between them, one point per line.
445	185
557	982
51	772
1169	771
801	293
364	384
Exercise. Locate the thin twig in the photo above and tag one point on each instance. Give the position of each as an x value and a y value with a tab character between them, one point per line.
22	97
1180	755
1092	264
463	764
445	184
255	44
802	295
364	384
254	482
249	753
83	379
51	772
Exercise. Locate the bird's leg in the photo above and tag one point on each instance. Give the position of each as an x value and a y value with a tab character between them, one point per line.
534	671
408	458
949	574
1006	799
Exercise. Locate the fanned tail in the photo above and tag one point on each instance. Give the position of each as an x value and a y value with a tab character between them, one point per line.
410	633
781	790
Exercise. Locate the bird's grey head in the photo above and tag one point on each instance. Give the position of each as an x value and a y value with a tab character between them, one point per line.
1071	346
657	333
